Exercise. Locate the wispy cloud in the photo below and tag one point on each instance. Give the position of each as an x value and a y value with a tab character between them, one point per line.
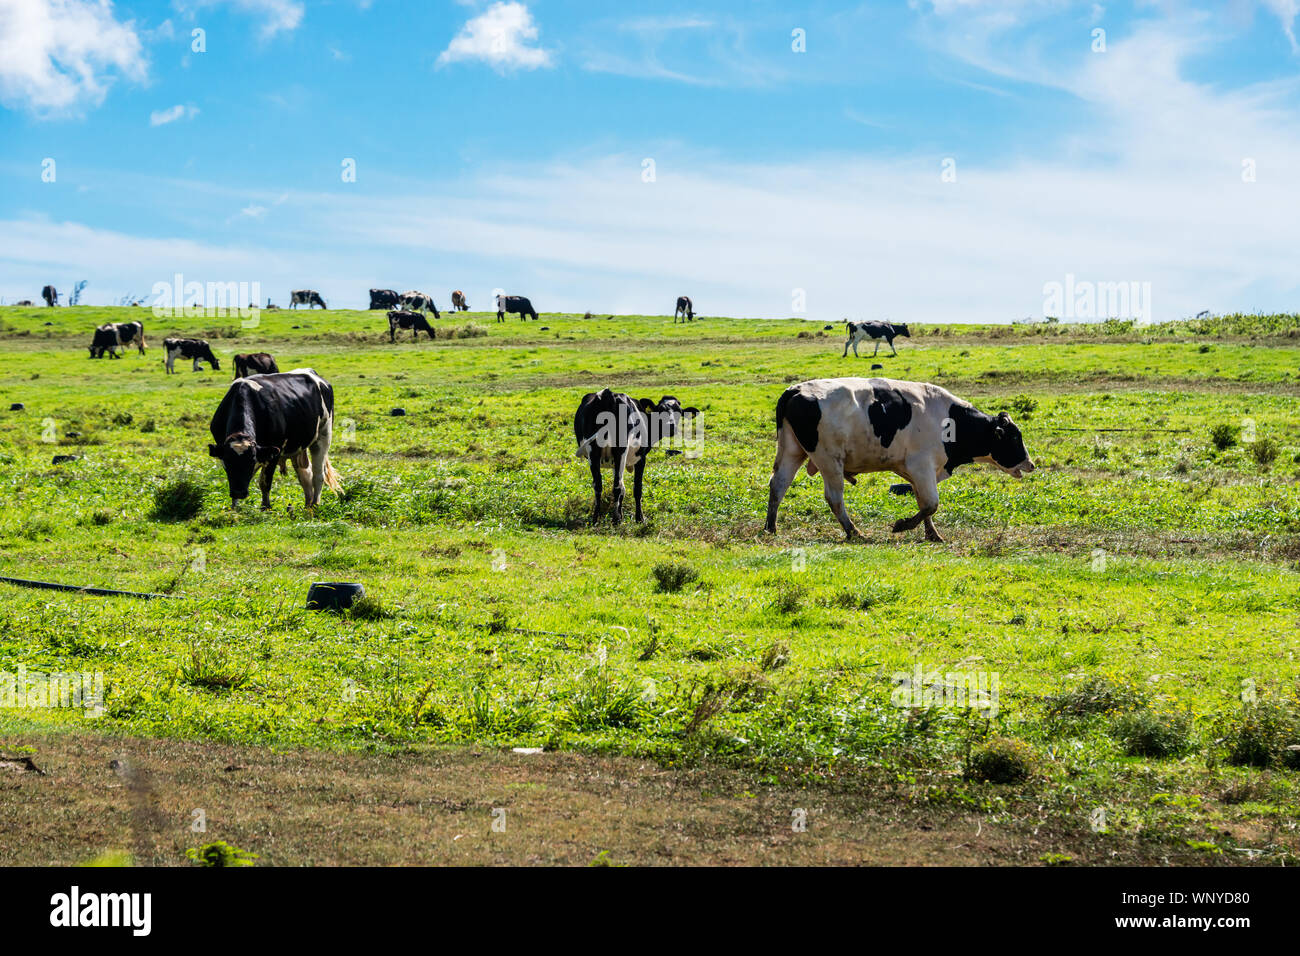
683	49
172	114
501	36
277	16
1286	11
60	56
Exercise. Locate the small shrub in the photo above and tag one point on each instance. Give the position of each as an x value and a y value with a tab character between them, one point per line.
789	597
149	426
670	578
1098	695
368	608
776	655
211	668
1262	734
102	517
1224	437
220	853
123	418
1264	451
1145	733
1023	406
177	500
1003	760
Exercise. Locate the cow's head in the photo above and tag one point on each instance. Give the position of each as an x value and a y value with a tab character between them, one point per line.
241	456
1007	448
666	418
901	329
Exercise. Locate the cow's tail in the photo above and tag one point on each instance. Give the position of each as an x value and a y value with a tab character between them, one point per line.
332	478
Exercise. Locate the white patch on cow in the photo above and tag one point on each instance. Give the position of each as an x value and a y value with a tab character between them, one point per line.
255	386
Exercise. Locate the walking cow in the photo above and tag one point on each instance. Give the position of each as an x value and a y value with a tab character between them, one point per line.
844	427
859	331
196	349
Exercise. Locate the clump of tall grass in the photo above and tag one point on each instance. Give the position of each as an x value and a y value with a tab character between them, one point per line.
178	500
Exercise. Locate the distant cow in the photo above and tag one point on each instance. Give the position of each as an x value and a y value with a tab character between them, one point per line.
458	302
514	303
23	302
383	299
613	431
419	302
272	419
844	427
112	336
684	309
50	296
305	297
195	349
860	331
415	321
255	363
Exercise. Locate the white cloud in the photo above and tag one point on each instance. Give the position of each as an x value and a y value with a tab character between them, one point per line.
276	15
172	114
60	56
1286	11
500	36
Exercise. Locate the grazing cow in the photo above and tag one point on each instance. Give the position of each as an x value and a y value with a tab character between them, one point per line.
419	302
383	299
415	321
305	297
613	431
272	419
458	302
112	336
255	363
50	296
859	331
196	349
514	303
684	309
845	427
23	302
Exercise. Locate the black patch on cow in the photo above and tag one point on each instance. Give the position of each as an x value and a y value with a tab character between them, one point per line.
803	412
889	413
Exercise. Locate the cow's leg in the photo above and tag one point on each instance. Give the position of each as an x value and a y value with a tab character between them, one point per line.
320	451
637	470
833	491
877	351
892	350
264	482
617	492
855	347
925	485
593	458
846	348
789	456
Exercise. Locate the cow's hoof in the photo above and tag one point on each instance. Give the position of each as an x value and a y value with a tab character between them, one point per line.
936	538
901	525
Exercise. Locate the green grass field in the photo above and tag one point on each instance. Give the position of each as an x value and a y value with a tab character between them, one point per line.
1136	599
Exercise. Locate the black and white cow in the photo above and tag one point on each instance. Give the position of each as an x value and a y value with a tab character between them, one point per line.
613	431
844	427
458	302
196	349
267	420
23	302
112	336
684	309
50	295
255	363
514	303
384	299
306	297
419	302
860	331
415	321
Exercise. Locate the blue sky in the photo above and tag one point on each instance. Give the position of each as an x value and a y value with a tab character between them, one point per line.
504	145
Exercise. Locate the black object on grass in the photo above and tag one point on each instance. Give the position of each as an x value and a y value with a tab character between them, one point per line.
333	595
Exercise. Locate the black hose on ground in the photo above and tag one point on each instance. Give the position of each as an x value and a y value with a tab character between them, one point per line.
101	592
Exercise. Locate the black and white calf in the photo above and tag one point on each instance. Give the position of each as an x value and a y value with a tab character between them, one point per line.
306	297
516	304
50	295
684	310
419	302
458	302
415	321
195	349
844	427
112	336
272	419
613	431
860	331
384	299
255	363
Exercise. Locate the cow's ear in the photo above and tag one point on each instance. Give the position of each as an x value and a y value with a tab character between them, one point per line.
214	451
267	452
1004	417
645	404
